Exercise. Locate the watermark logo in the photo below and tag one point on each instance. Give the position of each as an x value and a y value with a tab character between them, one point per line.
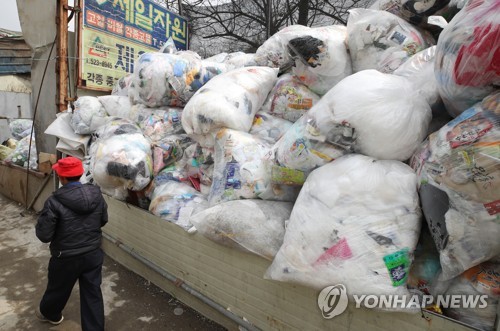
332	301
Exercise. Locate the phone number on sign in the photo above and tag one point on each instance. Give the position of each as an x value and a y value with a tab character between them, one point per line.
98	63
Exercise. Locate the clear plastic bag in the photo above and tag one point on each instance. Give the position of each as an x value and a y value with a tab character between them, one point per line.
289	99
269	128
356	222
380	40
121	86
459	175
177	202
115	105
467	64
157	123
169	150
121	162
161	79
375	114
229	100
252	225
89	114
321	57
274	53
19	156
482	279
239	170
20	128
240	59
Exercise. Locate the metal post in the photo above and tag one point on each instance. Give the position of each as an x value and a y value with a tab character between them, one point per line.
62	54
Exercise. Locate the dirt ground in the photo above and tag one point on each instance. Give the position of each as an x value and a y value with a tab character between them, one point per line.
131	302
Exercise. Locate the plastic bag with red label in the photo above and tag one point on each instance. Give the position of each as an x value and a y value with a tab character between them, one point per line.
459	175
356	222
467	63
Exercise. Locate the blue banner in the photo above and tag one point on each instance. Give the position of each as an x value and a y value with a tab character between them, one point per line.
141	21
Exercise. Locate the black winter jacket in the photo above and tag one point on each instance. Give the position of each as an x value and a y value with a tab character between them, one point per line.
71	220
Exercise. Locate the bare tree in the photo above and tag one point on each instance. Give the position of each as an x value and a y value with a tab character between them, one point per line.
243	25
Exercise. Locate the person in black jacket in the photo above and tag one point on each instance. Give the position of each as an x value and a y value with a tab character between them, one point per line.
71	221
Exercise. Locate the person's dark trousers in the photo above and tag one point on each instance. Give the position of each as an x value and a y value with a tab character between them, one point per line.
63	274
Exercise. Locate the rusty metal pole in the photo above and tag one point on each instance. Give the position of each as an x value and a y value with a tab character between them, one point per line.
62	54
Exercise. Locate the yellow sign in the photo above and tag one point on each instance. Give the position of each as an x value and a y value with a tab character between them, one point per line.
107	58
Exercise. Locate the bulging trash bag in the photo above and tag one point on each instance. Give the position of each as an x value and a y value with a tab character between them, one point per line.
89	114
239	171
321	57
120	162
198	162
274	53
218	58
268	127
240	59
157	123
169	150
419	69
380	40
161	79
417	12
255	226
121	86
177	202
467	65
289	99
459	176
360	218
115	105
22	155
20	128
483	279
375	114
229	100
116	126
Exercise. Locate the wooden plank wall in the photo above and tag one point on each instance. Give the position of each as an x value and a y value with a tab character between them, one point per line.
234	279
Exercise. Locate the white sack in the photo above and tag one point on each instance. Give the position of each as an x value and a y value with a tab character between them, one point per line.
356	222
229	100
253	225
380	40
115	105
89	114
268	127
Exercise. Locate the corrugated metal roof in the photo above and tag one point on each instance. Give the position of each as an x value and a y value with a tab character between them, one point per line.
15	55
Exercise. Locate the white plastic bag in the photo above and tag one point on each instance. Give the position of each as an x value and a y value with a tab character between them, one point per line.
467	56
89	114
321	57
268	127
274	53
177	202
20	128
162	79
229	100
121	86
459	176
115	105
121	161
375	114
289	99
380	40
157	123
253	225
356	222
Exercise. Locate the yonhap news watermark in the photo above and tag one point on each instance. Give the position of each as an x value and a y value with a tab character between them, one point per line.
333	300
